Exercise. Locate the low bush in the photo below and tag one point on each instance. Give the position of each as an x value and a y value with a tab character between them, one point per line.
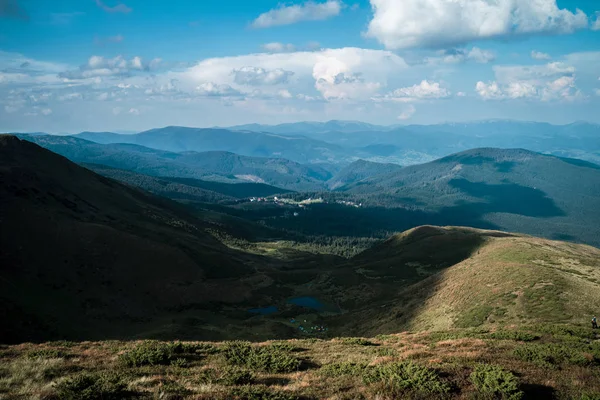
263	358
406	376
230	376
494	381
514	335
552	355
386	352
342	369
89	386
46	353
148	353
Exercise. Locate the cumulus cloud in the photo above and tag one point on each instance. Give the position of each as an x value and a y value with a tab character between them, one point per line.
596	23
276	47
117	8
407	113
256	76
426	90
536	55
550	82
211	89
347	73
440	23
459	55
309	11
98	66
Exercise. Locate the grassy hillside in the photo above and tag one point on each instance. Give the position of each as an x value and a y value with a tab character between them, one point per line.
215	166
358	171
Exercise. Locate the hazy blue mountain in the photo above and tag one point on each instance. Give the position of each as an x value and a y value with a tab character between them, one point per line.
247	143
310	128
412	144
219	166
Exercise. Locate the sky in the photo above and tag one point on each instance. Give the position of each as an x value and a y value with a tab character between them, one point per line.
108	65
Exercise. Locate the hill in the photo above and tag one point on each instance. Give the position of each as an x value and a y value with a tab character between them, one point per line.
257	144
214	166
76	246
358	171
512	190
187	188
458	313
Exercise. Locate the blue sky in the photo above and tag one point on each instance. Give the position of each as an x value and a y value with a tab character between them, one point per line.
73	65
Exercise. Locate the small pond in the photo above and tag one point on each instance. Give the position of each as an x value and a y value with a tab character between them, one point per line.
308	302
264	310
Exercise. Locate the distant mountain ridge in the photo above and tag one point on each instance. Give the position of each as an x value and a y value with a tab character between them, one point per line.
217	165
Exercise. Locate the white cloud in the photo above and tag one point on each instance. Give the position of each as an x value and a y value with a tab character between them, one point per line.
276	47
216	90
285	94
481	56
489	91
550	82
256	76
456	56
118	8
596	23
98	66
347	73
438	23
407	113
536	55
309	11
461	94
425	90
134	111
46	111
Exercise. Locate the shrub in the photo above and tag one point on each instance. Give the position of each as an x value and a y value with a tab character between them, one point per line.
46	353
565	332
266	358
356	341
179	362
552	355
89	386
260	393
342	369
230	376
148	353
514	335
401	376
386	352
493	380
236	376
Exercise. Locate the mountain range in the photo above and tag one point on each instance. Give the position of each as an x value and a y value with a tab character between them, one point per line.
144	266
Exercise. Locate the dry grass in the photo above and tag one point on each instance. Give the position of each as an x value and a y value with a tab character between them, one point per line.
451	359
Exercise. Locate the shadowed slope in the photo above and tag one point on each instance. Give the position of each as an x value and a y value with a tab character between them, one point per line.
83	254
